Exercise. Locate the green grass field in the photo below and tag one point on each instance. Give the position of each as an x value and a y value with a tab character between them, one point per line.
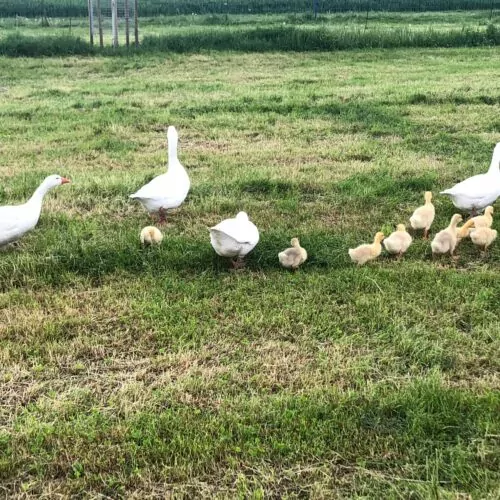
138	373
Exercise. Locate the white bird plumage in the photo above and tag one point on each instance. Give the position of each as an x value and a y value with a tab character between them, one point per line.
167	190
234	238
17	220
477	192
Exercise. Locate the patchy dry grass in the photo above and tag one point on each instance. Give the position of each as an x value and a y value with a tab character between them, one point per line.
143	373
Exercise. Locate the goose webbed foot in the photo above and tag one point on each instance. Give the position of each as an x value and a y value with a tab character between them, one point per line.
237	263
162	216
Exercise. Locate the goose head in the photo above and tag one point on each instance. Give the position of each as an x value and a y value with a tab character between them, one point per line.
53	181
428	196
242	217
295	242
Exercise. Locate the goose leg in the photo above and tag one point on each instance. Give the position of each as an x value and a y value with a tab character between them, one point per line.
426	233
162	215
238	263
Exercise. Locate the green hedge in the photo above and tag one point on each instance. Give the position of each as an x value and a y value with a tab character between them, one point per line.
259	40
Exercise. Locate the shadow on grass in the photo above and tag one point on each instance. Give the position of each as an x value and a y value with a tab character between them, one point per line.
94	257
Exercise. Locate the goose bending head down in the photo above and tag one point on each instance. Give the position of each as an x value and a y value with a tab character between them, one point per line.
17	220
234	238
167	190
477	192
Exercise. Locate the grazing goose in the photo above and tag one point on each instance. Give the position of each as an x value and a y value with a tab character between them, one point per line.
17	220
479	191
234	238
167	190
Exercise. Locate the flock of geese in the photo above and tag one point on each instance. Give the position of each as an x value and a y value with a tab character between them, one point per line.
235	238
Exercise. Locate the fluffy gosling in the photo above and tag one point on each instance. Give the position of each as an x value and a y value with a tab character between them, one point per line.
485	220
293	257
364	253
446	240
151	235
423	216
398	242
483	237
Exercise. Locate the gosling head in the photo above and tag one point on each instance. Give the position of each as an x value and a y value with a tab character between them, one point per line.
379	237
400	227
428	196
488	210
456	219
295	242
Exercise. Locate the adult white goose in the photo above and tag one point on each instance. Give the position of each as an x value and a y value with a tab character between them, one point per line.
479	191
234	238
167	190
17	220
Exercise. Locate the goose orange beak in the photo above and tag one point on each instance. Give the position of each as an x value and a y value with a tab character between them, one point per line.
64	180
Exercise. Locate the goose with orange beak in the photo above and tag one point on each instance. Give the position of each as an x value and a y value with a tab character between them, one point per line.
17	220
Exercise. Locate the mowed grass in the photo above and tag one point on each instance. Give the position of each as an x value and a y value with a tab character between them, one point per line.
147	372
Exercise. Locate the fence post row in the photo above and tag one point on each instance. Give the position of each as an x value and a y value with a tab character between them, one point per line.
114	21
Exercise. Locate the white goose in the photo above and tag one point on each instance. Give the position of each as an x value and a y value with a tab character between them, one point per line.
17	220
479	191
167	190
234	238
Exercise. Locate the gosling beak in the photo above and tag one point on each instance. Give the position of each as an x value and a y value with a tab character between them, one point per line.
64	180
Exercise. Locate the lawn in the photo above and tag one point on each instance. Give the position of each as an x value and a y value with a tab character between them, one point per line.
139	372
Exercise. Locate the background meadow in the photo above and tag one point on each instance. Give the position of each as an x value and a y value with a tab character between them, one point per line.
134	372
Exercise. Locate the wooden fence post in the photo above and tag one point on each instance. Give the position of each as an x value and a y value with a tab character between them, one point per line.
99	23
114	22
91	22
127	24
136	23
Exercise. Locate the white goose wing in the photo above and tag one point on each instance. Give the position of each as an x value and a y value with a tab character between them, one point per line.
240	231
14	222
155	188
476	184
